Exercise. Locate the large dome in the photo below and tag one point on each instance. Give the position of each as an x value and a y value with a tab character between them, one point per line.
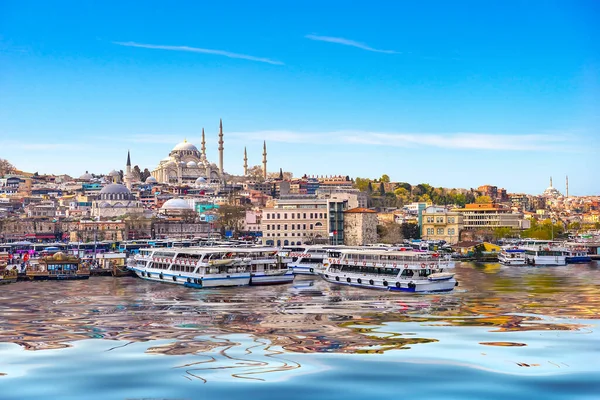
115	188
185	146
114	173
176	204
191	164
150	179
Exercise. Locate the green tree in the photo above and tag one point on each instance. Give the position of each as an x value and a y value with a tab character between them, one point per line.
137	173
384	178
381	189
369	188
502	232
362	184
483	200
478	251
145	175
410	231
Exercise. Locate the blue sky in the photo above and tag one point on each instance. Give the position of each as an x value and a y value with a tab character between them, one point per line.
455	94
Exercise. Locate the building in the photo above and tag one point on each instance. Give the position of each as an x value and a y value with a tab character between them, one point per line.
115	200
300	220
90	231
441	224
360	227
489	216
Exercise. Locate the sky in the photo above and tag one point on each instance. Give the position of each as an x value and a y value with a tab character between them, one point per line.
450	93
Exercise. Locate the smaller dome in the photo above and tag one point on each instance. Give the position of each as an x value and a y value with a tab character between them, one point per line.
151	179
176	204
114	173
86	177
185	146
200	181
182	163
191	164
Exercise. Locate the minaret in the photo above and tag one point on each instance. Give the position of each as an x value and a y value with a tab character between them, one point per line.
245	162
203	147
221	148
264	160
128	176
567	185
550	181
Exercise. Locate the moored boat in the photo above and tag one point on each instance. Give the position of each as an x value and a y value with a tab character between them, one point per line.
578	256
58	266
203	267
305	260
7	275
512	257
405	271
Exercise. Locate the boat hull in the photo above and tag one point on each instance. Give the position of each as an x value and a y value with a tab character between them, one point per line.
194	281
579	259
57	277
393	285
302	270
261	279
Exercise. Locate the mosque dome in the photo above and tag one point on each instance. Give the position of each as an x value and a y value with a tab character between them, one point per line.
185	146
115	191
175	204
86	177
200	181
114	173
192	164
151	179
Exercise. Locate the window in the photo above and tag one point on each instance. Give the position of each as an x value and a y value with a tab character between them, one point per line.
293	215
278	216
311	215
285	215
278	227
298	215
303	226
304	215
439	219
285	227
268	216
268	226
450	231
311	226
320	215
429	219
430	231
440	231
450	220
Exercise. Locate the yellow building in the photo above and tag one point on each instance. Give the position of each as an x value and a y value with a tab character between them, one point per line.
441	224
467	248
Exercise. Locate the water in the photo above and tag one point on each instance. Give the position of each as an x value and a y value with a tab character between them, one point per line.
506	332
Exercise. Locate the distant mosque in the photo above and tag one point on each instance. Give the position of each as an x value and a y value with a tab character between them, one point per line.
551	191
186	165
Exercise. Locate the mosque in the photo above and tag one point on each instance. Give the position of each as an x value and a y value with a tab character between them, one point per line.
188	165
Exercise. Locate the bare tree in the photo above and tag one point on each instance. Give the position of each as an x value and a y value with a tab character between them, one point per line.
6	167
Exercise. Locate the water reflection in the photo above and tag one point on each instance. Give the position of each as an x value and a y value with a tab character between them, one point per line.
310	316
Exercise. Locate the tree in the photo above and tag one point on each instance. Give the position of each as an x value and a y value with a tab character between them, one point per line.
362	184
384	178
6	167
145	175
402	195
502	232
479	249
370	188
137	173
483	200
231	217
255	173
410	231
390	233
381	189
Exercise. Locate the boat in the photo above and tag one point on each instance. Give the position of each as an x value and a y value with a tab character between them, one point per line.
578	256
7	275
204	267
545	255
112	263
306	260
513	256
399	271
58	266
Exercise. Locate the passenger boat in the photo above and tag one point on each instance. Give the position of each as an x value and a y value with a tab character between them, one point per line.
405	271
305	260
7	275
541	255
112	263
58	266
512	257
578	256
202	267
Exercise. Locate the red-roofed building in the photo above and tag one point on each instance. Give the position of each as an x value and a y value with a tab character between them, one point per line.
360	227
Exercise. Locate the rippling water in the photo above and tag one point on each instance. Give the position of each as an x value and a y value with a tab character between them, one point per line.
506	332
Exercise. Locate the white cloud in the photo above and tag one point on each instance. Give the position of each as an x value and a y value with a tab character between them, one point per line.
463	141
200	50
348	42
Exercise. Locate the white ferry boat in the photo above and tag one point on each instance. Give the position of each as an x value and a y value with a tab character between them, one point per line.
544	252
513	256
406	271
305	260
201	267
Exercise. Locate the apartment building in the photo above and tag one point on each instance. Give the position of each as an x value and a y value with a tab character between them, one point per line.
441	224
